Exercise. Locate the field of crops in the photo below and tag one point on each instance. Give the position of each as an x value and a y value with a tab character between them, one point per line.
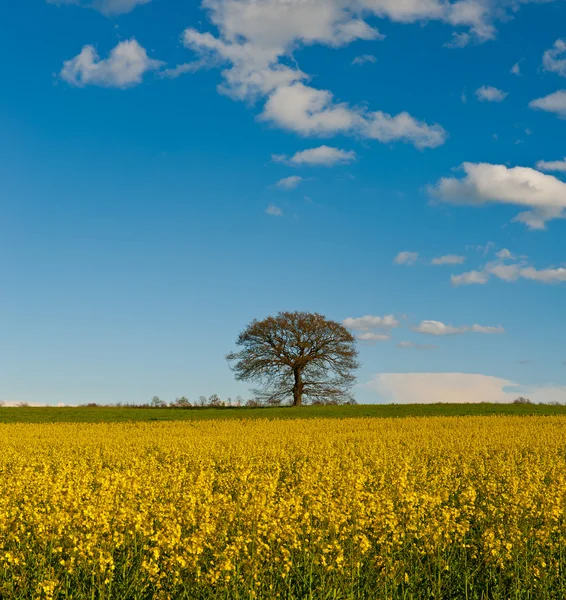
458	507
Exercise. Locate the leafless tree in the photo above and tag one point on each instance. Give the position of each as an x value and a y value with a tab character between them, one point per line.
297	357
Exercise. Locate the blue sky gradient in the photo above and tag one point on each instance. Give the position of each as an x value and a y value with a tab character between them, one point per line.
136	234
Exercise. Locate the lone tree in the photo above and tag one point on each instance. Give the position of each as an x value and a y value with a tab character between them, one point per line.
297	356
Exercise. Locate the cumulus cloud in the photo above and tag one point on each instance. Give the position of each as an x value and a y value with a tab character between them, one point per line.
555	103
555	59
106	7
516	68
370	322
402	127
125	66
406	258
557	275
323	156
448	259
274	211
256	37
365	327
505	254
544	195
431	388
372	337
364	59
438	328
510	272
311	112
487	93
469	278
289	183
308	111
552	165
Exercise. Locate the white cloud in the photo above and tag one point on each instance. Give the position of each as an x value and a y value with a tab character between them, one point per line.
543	194
516	68
106	7
323	156
274	211
371	322
373	337
364	59
503	271
511	272
256	35
487	330
469	278
406	258
448	259
555	59
544	275
289	183
487	93
415	346
402	127
125	66
555	103
308	111
438	328
191	67
431	388
505	254
552	165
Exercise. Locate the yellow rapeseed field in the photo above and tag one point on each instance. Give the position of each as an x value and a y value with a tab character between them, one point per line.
440	507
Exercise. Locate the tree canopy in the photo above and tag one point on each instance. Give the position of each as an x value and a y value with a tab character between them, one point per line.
297	357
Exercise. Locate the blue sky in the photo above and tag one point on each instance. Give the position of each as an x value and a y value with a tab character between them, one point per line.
170	171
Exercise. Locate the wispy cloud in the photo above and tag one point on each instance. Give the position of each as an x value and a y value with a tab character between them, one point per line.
416	346
552	165
289	183
437	328
274	211
364	59
106	7
448	259
406	258
487	93
555	59
322	156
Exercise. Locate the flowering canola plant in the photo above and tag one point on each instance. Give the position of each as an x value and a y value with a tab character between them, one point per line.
438	507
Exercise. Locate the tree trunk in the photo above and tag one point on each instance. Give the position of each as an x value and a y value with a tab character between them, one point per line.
298	388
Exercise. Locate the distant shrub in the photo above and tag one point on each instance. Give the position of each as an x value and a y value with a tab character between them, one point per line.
181	402
522	400
252	403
